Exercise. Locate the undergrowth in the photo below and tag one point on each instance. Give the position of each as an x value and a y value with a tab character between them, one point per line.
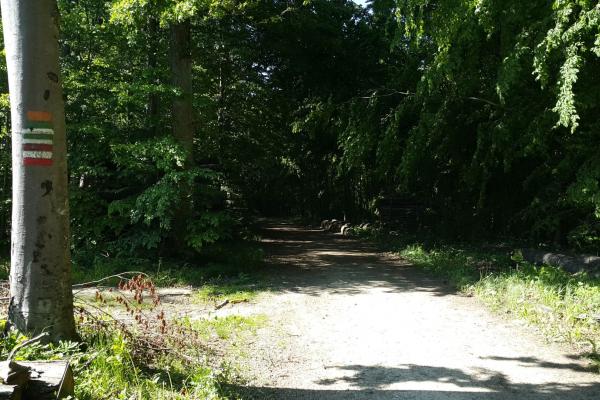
151	357
109	369
222	261
147	357
4	268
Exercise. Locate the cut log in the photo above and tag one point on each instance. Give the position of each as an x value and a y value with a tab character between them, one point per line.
15	374
326	224
10	392
572	264
345	230
335	226
50	380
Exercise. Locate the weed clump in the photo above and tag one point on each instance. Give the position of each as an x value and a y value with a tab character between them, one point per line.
137	354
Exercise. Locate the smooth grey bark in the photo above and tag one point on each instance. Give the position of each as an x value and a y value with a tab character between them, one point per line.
40	276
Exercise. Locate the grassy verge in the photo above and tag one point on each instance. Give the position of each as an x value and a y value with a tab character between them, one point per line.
564	307
149	361
229	327
234	273
223	263
132	363
111	367
228	260
242	288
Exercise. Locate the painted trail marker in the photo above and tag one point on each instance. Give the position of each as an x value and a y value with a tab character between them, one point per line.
38	139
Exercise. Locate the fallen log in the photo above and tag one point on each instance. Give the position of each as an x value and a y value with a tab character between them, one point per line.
571	264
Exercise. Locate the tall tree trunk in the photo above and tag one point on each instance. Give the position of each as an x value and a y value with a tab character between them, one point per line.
180	60
40	276
222	57
153	101
180	56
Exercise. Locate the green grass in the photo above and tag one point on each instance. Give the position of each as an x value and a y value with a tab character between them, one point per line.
113	374
230	262
561	306
109	365
239	289
108	369
234	274
458	266
229	327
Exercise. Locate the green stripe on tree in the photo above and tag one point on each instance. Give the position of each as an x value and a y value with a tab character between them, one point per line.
38	136
38	124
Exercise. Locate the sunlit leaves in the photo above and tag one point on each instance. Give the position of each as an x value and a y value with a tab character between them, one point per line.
575	33
565	106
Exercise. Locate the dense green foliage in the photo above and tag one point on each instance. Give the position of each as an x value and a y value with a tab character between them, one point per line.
490	121
483	111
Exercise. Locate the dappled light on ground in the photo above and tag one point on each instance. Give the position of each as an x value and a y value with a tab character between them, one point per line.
348	322
343	265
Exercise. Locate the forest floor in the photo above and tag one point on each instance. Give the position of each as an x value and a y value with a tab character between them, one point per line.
335	318
348	322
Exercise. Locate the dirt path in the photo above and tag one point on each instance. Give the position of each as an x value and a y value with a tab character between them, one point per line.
350	323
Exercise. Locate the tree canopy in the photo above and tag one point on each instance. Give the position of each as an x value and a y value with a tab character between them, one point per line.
483	111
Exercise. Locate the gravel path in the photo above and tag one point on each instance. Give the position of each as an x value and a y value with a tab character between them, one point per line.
347	322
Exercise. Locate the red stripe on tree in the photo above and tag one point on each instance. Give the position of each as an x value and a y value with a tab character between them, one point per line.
37	147
39	116
45	162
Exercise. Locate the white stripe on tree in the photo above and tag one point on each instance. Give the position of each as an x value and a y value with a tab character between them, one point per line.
37	154
44	131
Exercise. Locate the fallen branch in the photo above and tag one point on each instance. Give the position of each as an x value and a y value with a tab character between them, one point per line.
122	275
221	305
25	344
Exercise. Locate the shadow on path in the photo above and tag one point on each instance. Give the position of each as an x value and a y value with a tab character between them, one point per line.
490	366
441	383
312	261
